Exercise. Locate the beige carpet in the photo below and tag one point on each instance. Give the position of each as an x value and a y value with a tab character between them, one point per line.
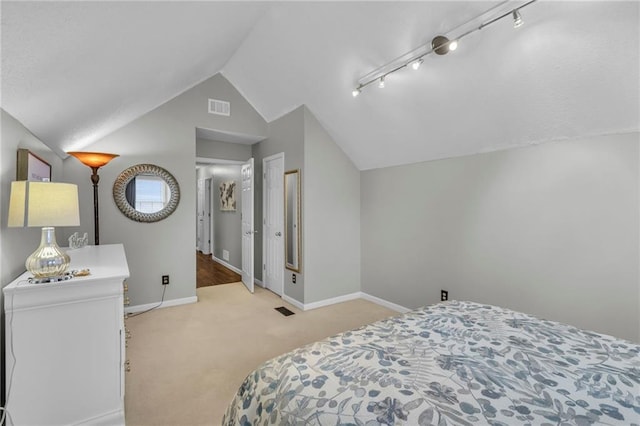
188	361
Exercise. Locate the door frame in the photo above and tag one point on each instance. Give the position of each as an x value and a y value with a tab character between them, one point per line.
211	212
279	155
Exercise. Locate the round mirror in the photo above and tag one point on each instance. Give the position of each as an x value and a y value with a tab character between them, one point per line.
146	193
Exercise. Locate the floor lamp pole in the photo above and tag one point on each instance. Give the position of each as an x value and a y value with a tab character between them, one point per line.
96	221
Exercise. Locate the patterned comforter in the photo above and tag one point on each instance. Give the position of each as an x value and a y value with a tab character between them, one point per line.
455	363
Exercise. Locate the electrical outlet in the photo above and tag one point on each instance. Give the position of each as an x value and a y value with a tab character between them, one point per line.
444	295
165	280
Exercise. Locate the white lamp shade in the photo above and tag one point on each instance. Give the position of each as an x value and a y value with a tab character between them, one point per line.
43	204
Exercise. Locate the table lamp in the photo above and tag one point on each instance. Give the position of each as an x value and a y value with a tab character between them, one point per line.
95	160
46	205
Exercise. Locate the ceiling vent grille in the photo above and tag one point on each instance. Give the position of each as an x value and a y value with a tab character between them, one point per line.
218	107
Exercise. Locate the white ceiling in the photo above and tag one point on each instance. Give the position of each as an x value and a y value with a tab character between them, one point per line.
74	71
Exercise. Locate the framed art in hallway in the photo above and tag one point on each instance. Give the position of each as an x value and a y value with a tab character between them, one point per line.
32	168
228	196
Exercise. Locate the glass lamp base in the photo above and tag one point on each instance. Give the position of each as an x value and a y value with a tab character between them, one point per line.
48	260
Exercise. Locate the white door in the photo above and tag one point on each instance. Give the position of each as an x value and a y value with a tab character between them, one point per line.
273	223
200	214
206	220
247	225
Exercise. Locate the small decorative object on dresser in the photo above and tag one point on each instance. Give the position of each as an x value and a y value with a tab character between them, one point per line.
76	241
65	344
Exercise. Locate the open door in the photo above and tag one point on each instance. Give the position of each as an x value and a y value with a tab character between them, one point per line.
247	225
273	223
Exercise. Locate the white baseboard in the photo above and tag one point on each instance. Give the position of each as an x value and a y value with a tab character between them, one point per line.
384	303
332	301
165	304
293	301
345	298
260	283
227	265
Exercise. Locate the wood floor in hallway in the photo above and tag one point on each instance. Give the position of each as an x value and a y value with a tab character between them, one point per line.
210	272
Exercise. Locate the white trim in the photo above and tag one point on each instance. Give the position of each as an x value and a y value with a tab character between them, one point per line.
115	417
260	283
226	265
345	298
165	304
332	301
293	301
384	303
206	160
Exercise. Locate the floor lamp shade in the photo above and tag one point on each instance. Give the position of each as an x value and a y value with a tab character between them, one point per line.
45	205
93	159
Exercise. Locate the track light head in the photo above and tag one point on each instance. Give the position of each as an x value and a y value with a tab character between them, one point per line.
381	83
441	45
517	19
356	92
416	64
453	45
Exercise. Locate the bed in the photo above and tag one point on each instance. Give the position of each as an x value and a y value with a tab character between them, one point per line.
454	363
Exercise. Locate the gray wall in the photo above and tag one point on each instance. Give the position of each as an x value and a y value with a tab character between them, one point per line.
227	225
286	134
165	137
222	150
16	244
551	230
331	224
330	203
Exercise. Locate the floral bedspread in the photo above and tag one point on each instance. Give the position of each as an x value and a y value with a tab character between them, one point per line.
454	363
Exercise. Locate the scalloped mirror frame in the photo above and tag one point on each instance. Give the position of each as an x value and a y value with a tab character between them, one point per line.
120	187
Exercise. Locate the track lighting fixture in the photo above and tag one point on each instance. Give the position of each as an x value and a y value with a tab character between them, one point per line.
517	19
440	45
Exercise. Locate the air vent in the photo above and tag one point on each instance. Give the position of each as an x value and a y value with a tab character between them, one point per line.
219	107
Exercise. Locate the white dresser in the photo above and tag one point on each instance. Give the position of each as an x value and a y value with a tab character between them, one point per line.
65	344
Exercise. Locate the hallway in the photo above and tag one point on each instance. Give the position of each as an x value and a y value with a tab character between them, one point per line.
210	272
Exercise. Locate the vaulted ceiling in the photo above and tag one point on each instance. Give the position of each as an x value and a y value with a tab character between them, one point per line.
73	72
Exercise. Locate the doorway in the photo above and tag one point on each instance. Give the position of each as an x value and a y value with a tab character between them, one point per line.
219	252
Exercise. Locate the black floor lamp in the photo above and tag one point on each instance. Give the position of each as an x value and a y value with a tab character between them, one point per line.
95	160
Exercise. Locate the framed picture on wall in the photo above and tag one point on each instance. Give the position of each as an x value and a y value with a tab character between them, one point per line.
228	196
31	167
